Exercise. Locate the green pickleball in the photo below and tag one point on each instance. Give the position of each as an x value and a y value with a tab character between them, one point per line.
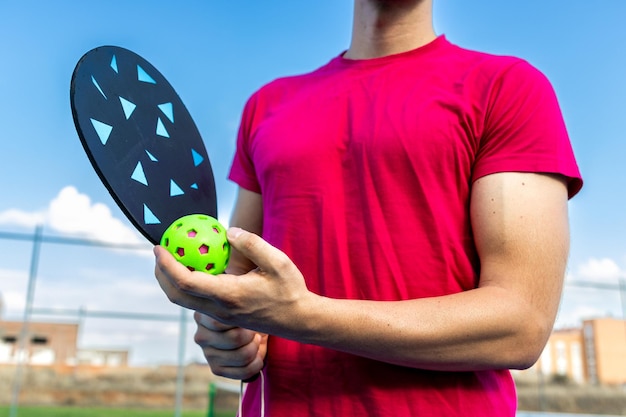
199	242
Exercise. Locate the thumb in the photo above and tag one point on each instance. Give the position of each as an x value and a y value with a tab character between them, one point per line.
166	262
262	254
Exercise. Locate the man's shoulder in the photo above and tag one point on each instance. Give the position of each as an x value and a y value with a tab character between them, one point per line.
481	60
494	64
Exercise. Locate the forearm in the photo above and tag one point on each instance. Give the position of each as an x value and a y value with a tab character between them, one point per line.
485	328
521	232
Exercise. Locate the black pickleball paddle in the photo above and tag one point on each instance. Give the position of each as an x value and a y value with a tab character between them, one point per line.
141	140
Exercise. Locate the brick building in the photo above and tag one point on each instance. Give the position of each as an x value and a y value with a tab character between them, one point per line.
594	353
52	344
605	351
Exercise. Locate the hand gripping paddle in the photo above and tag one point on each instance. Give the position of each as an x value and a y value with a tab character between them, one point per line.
141	140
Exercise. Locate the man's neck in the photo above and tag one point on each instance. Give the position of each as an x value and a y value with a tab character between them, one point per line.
386	27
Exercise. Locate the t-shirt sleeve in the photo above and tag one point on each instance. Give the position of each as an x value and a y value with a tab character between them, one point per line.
524	130
242	170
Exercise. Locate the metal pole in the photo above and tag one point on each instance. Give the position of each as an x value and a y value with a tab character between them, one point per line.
180	378
81	322
22	355
622	295
541	391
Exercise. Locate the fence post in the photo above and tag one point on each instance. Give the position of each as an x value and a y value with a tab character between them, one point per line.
212	392
180	375
22	345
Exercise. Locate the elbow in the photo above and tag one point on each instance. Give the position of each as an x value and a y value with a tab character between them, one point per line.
528	342
524	360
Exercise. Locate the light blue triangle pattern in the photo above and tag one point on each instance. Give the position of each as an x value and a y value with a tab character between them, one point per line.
168	110
143	76
93	80
175	189
149	217
128	107
102	129
139	175
152	157
197	158
160	129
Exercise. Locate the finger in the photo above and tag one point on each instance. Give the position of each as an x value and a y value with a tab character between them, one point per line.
231	339
166	263
241	363
265	256
262	353
179	283
211	323
172	293
246	374
163	271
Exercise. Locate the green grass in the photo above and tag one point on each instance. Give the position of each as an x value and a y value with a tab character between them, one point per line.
103	412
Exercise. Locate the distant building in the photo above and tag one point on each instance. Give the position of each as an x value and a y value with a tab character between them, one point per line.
52	344
102	357
605	351
563	355
594	353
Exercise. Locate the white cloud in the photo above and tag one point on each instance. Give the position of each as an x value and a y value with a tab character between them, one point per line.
600	270
12	291
71	212
21	218
12	301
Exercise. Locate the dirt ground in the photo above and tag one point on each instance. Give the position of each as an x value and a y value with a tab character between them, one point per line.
124	387
156	387
561	396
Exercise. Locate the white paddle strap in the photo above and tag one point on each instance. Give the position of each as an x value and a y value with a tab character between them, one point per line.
242	389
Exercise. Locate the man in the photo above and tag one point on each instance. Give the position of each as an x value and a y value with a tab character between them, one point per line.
412	202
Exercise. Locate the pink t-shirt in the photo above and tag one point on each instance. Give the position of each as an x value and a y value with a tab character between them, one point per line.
361	155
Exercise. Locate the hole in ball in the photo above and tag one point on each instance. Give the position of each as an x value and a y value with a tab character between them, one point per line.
204	249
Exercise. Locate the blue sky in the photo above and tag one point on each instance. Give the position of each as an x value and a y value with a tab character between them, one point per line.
216	54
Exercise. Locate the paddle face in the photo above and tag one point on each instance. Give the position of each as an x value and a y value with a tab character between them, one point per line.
141	140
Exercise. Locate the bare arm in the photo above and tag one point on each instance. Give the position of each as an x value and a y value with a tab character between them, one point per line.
521	232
